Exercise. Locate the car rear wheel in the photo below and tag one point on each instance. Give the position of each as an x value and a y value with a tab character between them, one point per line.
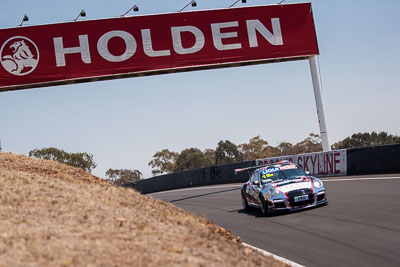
244	202
264	206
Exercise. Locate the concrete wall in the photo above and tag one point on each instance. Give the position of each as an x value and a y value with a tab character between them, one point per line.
220	174
373	160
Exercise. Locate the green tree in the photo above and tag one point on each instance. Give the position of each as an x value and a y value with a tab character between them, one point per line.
210	154
191	158
367	139
284	149
311	144
163	162
80	160
257	148
227	152
123	176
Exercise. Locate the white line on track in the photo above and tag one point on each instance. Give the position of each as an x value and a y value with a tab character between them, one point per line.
276	257
359	179
199	188
240	184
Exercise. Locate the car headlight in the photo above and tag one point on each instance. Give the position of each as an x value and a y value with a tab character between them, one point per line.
318	183
274	192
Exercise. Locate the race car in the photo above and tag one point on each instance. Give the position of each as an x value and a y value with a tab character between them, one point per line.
281	186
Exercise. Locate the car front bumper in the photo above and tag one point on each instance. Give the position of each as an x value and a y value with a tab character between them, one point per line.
289	204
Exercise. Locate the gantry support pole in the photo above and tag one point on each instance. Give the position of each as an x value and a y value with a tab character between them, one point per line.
319	101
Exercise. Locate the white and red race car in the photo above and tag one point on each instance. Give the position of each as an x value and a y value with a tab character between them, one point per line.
281	186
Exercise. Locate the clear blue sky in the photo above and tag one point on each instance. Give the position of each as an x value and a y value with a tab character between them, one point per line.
124	122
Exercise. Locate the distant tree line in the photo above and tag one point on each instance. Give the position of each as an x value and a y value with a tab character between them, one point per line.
367	139
80	160
86	162
123	176
166	161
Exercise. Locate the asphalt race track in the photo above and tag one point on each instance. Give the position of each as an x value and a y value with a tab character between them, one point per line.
359	227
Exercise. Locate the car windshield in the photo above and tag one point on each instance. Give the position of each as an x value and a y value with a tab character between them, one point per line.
277	174
294	173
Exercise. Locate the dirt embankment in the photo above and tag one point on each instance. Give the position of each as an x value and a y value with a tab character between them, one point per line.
55	215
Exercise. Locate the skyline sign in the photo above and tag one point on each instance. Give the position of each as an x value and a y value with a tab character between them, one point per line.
84	51
329	163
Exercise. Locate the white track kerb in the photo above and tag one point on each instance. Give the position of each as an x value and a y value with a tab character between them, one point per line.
276	257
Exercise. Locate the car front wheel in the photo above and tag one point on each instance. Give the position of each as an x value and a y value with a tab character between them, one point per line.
264	206
244	202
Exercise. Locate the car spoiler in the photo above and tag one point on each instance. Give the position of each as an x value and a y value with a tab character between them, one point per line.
260	166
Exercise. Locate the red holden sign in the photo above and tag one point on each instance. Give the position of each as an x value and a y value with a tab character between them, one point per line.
152	44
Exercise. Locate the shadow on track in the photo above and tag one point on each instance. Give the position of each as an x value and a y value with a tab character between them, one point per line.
257	212
202	195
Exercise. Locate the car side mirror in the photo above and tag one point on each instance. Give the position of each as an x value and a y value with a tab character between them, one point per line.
307	172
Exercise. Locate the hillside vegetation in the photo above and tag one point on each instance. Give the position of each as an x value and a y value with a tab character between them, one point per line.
166	161
56	215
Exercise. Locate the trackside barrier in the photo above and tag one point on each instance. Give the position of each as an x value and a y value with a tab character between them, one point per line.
221	174
373	160
355	161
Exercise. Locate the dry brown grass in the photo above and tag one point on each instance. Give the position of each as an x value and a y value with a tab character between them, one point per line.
55	215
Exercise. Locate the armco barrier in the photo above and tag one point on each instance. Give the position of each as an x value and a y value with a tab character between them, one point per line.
359	161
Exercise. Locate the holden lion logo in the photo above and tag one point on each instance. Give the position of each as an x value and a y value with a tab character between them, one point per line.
19	55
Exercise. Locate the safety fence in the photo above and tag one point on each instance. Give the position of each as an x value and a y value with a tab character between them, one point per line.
355	161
